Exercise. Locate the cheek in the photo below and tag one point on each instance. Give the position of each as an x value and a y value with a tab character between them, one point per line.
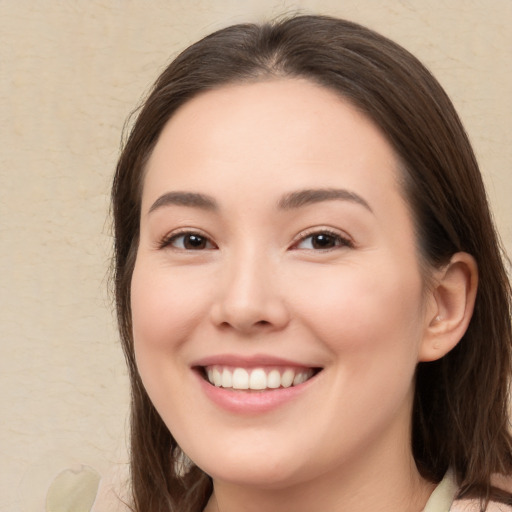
372	325
363	311
165	306
163	312
162	315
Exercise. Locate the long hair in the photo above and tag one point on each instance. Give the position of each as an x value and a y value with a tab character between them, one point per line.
460	418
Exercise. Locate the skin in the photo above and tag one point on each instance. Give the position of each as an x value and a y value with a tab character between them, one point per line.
260	284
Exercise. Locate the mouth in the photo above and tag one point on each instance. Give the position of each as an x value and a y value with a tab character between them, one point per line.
257	378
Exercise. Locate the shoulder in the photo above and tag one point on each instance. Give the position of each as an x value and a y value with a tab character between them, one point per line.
473	505
443	499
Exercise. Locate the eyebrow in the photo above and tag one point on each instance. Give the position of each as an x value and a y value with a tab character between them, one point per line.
306	197
289	201
191	199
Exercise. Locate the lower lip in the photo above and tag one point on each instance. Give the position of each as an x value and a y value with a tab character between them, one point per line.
252	402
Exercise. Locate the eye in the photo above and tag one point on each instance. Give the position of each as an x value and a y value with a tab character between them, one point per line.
322	240
188	241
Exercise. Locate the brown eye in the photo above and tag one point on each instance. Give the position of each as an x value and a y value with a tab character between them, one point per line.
190	242
323	240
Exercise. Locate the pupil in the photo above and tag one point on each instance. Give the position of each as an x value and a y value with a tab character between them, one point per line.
194	242
323	241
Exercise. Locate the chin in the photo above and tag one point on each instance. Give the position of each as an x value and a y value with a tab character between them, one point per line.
260	472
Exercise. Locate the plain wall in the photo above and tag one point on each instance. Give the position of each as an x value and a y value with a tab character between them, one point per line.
70	73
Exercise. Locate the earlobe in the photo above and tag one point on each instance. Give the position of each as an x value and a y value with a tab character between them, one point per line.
452	303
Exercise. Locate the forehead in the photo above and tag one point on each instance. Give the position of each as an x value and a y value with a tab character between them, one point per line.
275	134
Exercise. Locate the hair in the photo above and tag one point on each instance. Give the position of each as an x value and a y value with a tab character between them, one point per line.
460	411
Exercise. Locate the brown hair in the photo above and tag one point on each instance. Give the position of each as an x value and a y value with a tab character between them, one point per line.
460	410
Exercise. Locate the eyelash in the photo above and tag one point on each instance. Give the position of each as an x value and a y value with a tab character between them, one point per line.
170	239
339	240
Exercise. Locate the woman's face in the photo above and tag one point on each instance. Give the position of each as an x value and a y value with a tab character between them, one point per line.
277	256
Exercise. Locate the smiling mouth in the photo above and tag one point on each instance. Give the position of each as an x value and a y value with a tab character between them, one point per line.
256	379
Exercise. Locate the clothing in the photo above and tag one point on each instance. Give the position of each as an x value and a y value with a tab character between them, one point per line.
443	498
109	496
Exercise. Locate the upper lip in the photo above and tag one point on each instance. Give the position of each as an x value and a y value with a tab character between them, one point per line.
252	361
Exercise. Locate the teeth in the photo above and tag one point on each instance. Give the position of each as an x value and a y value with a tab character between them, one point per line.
299	378
287	378
240	379
217	377
274	379
227	379
257	378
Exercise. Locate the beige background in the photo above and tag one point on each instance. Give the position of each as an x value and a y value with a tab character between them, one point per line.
70	72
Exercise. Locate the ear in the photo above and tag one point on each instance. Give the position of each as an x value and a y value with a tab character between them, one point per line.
451	304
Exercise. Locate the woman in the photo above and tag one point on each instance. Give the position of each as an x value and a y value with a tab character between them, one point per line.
310	291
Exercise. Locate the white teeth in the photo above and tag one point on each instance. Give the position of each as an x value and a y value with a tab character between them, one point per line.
274	379
287	378
240	379
217	377
227	378
257	378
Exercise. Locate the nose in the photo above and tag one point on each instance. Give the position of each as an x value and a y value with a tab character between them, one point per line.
250	299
